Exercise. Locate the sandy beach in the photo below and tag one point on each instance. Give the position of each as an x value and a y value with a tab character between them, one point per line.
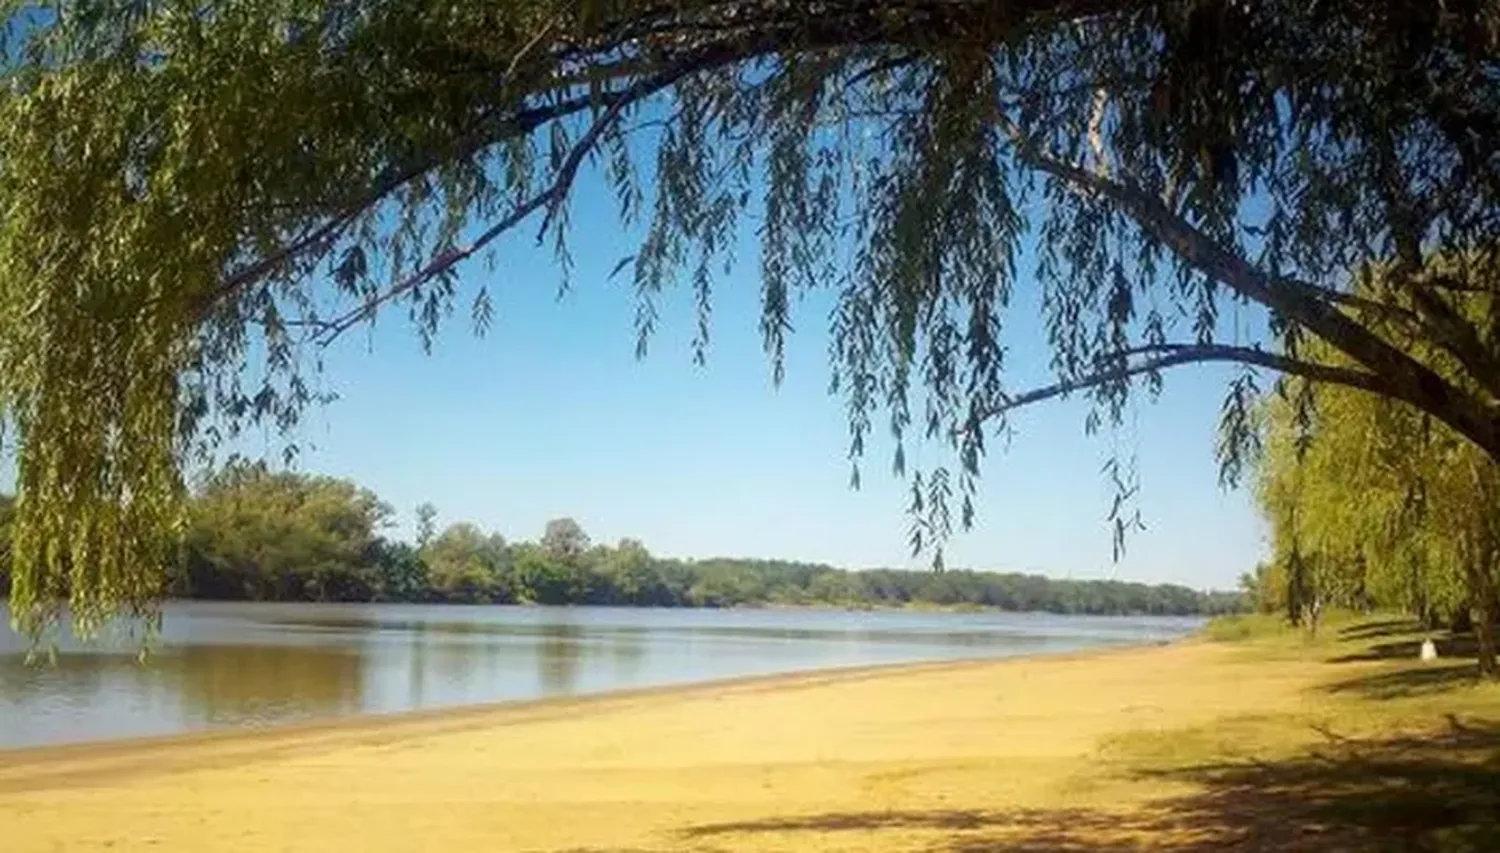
1031	754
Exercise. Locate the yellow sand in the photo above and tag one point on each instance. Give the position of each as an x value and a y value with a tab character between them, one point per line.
903	758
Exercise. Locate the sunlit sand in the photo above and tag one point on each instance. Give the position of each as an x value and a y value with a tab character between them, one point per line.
957	757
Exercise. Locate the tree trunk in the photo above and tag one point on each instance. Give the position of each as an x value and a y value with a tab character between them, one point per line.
1462	620
1484	633
1296	591
1482	591
1427	615
1486	612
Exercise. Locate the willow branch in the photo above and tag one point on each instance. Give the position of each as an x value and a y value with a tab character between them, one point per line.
1458	337
478	137
671	38
1408	379
1177	355
550	199
1367	305
324	235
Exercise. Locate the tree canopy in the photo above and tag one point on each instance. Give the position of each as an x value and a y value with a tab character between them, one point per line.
1373	502
198	196
1370	504
266	535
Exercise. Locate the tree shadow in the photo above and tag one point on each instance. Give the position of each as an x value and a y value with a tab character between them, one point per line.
1382	628
1438	792
959	819
961	831
1435	792
1408	682
1449	646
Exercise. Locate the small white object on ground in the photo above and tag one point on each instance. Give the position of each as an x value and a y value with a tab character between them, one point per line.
1429	650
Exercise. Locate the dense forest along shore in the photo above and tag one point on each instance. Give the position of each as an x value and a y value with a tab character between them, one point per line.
255	534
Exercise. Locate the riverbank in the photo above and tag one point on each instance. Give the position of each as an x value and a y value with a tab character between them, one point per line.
1193	745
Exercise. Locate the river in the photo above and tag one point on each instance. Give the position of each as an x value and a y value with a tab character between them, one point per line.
240	665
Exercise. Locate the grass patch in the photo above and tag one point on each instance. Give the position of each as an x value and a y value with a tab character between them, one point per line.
1241	627
1273	630
1256	736
1384	752
1438	790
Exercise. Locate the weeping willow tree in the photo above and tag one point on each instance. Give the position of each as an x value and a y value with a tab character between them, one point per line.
200	196
1370	498
1358	504
1372	501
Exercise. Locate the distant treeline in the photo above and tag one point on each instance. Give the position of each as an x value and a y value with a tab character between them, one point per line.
260	535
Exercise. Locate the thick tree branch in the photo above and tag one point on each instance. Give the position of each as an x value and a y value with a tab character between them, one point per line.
1408	379
1177	355
1457	336
1453	285
1409	319
674	37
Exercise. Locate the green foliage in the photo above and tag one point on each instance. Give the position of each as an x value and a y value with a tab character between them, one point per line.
200	196
7	511
564	540
426	524
281	536
1265	588
260	535
465	564
401	574
541	579
1240	627
1374	503
628	571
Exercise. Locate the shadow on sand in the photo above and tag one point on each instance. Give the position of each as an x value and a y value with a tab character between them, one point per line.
1406	683
1440	792
1380	628
1448	646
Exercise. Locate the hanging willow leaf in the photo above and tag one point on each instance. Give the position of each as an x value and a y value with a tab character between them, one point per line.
180	179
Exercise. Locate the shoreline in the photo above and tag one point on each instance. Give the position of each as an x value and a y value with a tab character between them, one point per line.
743	761
1181	746
920	607
477	715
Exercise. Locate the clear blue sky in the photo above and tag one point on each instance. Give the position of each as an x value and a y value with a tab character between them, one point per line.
551	415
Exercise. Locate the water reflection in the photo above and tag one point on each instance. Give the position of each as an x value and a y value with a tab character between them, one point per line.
236	665
627	650
559	655
85	695
224	684
417	667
